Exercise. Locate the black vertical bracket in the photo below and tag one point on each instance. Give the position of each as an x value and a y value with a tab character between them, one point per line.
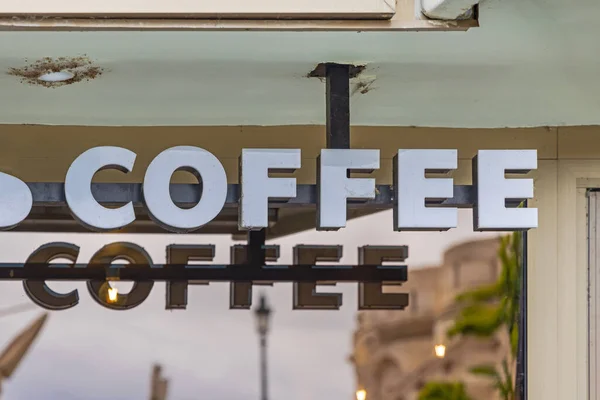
255	259
338	105
521	379
337	78
256	248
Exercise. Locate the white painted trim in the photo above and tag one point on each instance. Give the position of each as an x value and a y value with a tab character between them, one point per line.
407	17
404	22
374	9
446	10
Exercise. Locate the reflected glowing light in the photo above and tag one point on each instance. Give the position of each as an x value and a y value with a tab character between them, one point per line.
112	294
361	394
440	351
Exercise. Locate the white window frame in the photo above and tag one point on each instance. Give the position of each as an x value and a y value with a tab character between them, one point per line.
594	287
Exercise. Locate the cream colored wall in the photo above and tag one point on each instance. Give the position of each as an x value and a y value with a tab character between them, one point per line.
569	161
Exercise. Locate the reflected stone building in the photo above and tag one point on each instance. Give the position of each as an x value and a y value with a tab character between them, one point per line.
394	352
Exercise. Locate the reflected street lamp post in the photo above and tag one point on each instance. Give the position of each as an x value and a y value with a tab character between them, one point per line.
263	312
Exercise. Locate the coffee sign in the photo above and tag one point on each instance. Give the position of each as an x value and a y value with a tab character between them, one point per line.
420	201
412	188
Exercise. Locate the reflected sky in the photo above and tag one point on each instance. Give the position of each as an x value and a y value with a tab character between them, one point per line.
207	351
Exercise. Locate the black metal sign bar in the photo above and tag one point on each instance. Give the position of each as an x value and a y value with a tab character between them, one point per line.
209	272
53	195
338	106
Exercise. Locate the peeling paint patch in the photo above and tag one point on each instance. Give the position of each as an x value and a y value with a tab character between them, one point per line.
363	85
81	67
320	71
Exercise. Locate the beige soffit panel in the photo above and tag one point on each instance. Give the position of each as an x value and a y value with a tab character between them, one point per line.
27	148
322	9
579	142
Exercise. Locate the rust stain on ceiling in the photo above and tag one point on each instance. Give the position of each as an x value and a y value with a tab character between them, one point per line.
81	67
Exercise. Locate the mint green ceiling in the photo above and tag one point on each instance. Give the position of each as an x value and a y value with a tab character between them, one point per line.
531	63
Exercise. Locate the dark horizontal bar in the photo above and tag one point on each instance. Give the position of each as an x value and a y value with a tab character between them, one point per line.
208	272
53	194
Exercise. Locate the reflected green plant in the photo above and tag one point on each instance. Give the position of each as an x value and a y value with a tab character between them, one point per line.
491	308
444	391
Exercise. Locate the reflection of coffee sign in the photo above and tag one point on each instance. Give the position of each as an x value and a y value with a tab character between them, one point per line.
411	188
181	257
